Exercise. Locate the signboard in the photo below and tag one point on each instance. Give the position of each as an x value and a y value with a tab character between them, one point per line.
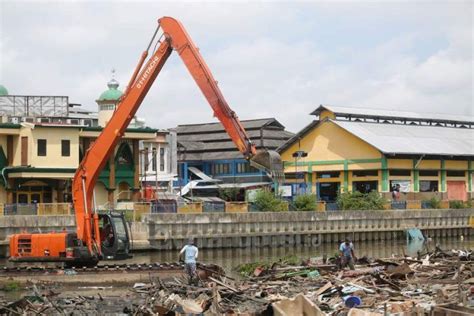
285	190
401	185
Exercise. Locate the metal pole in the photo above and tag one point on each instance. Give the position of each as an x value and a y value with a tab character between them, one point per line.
156	170
94	200
84	193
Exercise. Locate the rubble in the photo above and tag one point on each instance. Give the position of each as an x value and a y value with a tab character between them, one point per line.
398	285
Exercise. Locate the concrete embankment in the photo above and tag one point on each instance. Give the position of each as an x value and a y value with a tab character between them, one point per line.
220	230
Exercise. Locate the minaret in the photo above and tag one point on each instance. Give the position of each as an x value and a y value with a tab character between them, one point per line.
108	100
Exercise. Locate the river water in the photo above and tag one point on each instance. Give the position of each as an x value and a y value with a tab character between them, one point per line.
229	259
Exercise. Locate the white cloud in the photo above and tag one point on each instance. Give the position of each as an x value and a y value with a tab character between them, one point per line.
271	59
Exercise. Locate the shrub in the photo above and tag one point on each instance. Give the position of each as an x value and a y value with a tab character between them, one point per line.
305	202
460	204
265	201
360	201
229	194
435	202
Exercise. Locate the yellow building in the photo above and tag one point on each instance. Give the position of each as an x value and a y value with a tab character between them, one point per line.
43	139
353	149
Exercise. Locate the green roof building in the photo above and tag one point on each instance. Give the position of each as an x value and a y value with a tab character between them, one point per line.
3	90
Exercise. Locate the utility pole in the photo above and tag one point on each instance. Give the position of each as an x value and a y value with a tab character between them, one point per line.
298	155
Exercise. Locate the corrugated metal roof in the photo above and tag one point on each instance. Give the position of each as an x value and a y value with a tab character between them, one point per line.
219	155
227	145
217	127
393	114
413	139
253	134
211	141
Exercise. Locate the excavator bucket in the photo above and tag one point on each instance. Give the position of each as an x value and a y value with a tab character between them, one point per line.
270	162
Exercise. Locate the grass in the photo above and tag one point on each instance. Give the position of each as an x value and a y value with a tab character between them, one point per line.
12	286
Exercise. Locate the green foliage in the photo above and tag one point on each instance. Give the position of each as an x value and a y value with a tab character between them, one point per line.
265	201
290	260
460	204
305	202
434	202
12	286
247	269
229	194
360	201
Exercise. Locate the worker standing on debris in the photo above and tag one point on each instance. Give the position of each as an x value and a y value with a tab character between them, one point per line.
347	254
190	256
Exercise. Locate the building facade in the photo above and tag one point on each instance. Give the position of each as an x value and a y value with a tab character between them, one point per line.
418	155
159	161
44	138
206	152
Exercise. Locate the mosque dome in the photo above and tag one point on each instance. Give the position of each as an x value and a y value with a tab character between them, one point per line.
111	94
3	90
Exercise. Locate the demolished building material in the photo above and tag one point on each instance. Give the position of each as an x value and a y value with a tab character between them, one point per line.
441	281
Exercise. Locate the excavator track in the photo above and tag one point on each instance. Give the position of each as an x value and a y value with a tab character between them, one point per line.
53	272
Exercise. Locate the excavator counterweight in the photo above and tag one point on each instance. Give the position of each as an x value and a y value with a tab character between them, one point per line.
103	236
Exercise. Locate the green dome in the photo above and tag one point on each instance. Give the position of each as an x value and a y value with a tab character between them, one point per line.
3	90
112	94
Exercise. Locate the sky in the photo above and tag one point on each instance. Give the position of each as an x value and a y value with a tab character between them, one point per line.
271	59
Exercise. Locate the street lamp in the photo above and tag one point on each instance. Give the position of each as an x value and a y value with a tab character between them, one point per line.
298	155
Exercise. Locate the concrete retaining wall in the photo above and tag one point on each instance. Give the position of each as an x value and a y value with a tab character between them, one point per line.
234	230
170	231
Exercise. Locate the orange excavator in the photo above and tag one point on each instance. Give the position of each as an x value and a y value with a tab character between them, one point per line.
105	235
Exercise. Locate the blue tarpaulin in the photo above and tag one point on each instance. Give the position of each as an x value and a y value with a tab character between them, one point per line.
415	234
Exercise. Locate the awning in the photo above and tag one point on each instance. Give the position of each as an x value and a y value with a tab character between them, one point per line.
232	185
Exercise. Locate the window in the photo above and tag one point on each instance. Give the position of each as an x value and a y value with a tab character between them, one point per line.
455	173
41	147
153	159
245	167
162	159
428	186
146	159
65	148
324	175
220	168
365	173
364	186
107	107
428	173
400	172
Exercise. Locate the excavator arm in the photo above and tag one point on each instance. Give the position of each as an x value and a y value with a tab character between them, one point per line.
174	38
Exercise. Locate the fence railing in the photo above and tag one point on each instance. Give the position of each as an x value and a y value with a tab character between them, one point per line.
36	209
134	211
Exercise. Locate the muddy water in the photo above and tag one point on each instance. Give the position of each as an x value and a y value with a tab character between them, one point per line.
231	258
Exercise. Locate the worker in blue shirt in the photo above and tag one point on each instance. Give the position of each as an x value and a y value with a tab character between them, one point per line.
190	256
348	257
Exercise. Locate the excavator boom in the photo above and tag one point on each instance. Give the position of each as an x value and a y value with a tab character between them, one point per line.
174	38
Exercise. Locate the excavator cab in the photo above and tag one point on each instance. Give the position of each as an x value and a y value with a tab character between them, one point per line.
114	236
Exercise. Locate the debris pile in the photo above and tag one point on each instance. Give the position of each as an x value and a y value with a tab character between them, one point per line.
435	280
377	286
